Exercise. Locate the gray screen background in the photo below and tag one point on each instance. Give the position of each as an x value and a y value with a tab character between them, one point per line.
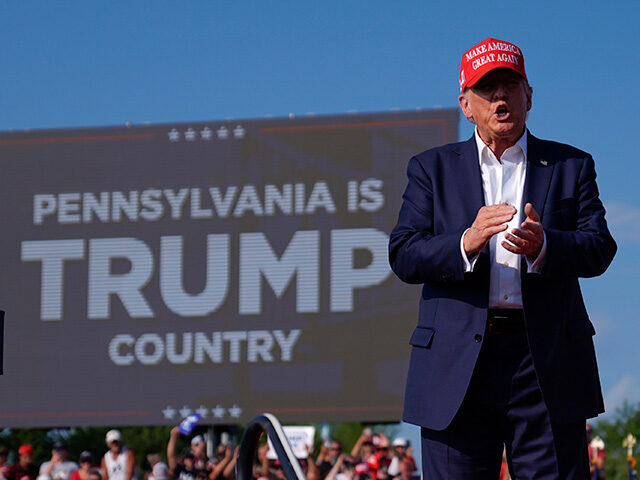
346	363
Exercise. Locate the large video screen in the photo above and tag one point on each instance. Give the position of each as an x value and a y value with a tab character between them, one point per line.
226	268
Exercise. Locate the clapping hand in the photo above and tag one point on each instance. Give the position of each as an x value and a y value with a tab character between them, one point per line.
528	239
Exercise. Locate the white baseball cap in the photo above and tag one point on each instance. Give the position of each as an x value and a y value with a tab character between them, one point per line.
114	436
197	439
400	442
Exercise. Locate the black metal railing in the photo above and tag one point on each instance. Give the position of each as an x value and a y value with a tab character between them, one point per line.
249	444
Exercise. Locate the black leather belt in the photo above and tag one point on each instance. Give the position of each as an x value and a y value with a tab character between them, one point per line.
505	321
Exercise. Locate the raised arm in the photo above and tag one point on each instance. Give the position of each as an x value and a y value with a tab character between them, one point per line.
229	471
171	450
219	467
336	468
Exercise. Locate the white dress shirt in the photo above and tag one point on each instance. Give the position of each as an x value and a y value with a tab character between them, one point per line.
503	182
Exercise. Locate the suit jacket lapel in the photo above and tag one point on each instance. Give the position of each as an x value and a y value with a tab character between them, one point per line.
471	178
539	171
471	181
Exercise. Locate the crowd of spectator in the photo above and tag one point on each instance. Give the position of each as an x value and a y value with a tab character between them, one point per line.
373	457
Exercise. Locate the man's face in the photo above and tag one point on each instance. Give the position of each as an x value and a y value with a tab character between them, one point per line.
498	104
198	449
221	450
368	448
61	452
335	450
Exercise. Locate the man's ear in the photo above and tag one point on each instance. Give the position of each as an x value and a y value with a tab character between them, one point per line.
465	106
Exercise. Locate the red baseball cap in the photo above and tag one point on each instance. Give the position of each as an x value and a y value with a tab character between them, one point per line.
25	449
486	56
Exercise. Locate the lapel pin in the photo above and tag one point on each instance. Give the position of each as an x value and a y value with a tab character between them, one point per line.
544	163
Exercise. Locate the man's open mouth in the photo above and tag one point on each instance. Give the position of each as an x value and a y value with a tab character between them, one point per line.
502	112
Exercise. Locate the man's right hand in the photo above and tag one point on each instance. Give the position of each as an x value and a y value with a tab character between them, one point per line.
489	221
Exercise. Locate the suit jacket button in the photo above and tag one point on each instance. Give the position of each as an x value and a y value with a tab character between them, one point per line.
478	338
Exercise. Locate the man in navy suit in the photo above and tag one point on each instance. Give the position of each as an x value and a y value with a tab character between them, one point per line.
498	229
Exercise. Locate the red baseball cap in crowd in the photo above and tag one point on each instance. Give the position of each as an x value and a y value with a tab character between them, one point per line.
25	449
489	55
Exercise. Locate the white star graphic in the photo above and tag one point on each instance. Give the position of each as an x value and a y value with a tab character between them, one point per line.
218	412
206	133
239	132
203	411
190	134
235	411
185	411
223	132
169	412
174	135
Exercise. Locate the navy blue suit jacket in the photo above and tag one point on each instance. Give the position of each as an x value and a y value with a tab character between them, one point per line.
441	200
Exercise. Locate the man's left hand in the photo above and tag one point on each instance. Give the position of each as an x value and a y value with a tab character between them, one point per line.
528	239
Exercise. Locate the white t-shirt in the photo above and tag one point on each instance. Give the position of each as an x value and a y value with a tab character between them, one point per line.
60	471
160	471
116	467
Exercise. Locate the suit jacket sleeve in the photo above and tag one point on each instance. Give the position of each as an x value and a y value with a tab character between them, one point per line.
416	254
587	248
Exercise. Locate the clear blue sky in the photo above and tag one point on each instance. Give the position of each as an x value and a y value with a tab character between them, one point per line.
105	63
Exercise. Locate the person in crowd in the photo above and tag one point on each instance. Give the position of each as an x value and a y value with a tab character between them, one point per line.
220	464
379	462
59	467
86	464
597	454
329	453
364	447
95	474
4	457
24	467
261	470
400	453
272	470
406	469
345	468
220	453
119	461
184	469
158	469
199	449
229	472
